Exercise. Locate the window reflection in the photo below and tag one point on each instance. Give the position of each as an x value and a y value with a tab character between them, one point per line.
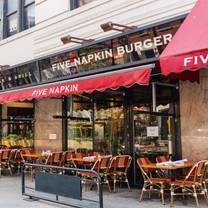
78	3
109	123
11	6
17	126
80	124
103	132
21	76
12	24
29	16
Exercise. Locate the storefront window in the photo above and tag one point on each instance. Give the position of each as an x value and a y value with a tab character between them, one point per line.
80	124
103	132
151	134
109	123
17	125
21	76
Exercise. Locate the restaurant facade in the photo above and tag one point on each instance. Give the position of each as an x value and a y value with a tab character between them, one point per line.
108	94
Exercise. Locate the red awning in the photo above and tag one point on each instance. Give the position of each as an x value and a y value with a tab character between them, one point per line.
188	49
100	82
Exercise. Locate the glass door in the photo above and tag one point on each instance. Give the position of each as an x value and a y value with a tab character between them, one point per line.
152	134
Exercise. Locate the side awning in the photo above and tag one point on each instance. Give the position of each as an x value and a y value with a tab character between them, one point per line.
99	82
188	49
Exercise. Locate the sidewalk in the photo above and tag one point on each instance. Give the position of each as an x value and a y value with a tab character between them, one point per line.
10	193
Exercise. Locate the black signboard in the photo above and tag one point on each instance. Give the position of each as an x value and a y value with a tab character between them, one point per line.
126	49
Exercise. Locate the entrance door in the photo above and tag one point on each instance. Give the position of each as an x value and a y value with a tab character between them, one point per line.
153	133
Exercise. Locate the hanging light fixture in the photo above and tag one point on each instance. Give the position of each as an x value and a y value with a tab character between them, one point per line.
108	26
70	39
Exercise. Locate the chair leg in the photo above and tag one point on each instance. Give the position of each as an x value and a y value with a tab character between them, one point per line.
107	181
162	194
205	192
18	169
127	181
10	170
171	196
142	192
150	191
195	196
114	183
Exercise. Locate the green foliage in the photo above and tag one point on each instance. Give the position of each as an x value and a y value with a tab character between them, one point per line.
14	137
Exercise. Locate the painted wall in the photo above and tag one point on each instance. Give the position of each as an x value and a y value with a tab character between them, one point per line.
194	122
54	20
46	9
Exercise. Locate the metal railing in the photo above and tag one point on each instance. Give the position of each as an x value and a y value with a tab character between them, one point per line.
63	169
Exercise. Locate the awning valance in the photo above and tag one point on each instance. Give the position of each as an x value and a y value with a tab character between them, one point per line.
188	49
99	82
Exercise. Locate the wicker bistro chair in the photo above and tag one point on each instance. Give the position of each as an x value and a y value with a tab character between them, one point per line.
118	169
205	181
101	166
66	161
12	162
4	160
162	158
151	183
28	159
192	184
55	158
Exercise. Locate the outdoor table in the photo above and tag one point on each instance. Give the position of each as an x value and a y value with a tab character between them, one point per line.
35	157
170	168
165	167
86	162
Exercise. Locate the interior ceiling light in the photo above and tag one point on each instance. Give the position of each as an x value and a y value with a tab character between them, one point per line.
70	39
114	26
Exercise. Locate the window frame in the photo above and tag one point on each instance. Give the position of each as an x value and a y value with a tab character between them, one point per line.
24	17
1	19
8	15
21	17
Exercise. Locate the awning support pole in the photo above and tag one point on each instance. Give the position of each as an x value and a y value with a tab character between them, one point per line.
154	99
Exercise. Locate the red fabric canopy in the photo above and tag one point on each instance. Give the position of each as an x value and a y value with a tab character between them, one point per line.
188	49
99	82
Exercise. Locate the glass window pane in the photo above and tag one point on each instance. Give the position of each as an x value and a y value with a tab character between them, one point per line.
11	6
1	14
109	123
28	2
80	126
12	25
18	128
30	16
77	3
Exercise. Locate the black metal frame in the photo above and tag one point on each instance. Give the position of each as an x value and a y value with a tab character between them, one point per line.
64	123
20	17
56	200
